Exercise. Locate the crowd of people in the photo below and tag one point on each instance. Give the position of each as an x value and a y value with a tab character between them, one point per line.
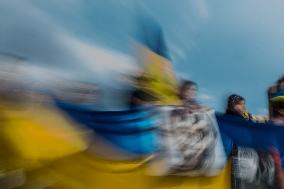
192	137
236	104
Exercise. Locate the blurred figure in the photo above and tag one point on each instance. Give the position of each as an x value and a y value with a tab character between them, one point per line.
278	112
273	90
188	95
236	107
276	101
190	121
190	138
188	92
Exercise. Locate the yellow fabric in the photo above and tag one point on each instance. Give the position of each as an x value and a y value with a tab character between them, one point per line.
38	133
277	99
41	133
246	115
83	171
162	84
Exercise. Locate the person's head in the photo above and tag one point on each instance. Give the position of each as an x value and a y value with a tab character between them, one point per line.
278	109
236	103
272	90
188	90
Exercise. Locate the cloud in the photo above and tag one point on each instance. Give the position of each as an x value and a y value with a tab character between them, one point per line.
97	59
51	51
33	36
43	42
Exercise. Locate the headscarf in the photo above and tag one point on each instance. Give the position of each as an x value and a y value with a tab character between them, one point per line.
233	100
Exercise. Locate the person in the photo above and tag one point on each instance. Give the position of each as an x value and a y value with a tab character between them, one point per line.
188	93
236	107
193	134
274	98
278	110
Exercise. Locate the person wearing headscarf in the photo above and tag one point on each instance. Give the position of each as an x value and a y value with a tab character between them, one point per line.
276	102
236	107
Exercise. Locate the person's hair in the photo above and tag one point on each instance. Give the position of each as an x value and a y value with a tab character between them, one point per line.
184	85
271	90
233	100
187	83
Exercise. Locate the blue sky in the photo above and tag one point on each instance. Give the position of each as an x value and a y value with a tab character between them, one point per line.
225	46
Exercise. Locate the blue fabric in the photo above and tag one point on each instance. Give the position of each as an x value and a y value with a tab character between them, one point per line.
228	144
86	111
278	93
133	131
250	134
139	143
151	35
